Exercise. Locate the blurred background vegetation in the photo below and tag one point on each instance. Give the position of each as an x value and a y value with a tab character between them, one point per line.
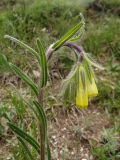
49	20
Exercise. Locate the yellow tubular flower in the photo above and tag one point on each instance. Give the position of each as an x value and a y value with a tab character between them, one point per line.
82	99
82	95
92	88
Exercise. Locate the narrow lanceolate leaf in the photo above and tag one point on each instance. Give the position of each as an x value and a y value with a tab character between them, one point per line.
41	116
25	78
68	35
21	44
43	63
74	39
25	136
43	121
32	51
25	147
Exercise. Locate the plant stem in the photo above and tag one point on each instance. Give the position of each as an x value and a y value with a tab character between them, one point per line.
79	50
42	138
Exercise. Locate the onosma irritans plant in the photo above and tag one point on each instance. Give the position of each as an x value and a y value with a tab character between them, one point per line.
78	86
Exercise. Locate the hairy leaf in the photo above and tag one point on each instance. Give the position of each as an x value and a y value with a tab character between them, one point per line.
25	78
68	35
41	116
32	51
43	63
43	121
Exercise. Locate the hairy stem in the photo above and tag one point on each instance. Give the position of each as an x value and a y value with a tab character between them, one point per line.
78	49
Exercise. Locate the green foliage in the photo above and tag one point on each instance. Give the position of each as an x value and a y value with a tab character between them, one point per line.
68	35
4	67
103	37
25	136
39	112
43	62
41	116
109	149
25	148
32	51
19	105
24	77
29	19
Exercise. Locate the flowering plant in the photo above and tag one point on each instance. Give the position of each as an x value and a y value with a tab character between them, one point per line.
79	85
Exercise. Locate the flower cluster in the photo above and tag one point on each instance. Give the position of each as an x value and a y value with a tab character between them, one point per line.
86	87
80	84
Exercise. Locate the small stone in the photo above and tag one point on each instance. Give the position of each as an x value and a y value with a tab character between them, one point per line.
53	137
81	149
72	153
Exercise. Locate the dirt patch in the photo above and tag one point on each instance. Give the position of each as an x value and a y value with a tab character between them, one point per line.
72	133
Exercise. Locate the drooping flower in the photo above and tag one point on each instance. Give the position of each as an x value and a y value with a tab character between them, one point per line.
82	95
80	84
81	99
